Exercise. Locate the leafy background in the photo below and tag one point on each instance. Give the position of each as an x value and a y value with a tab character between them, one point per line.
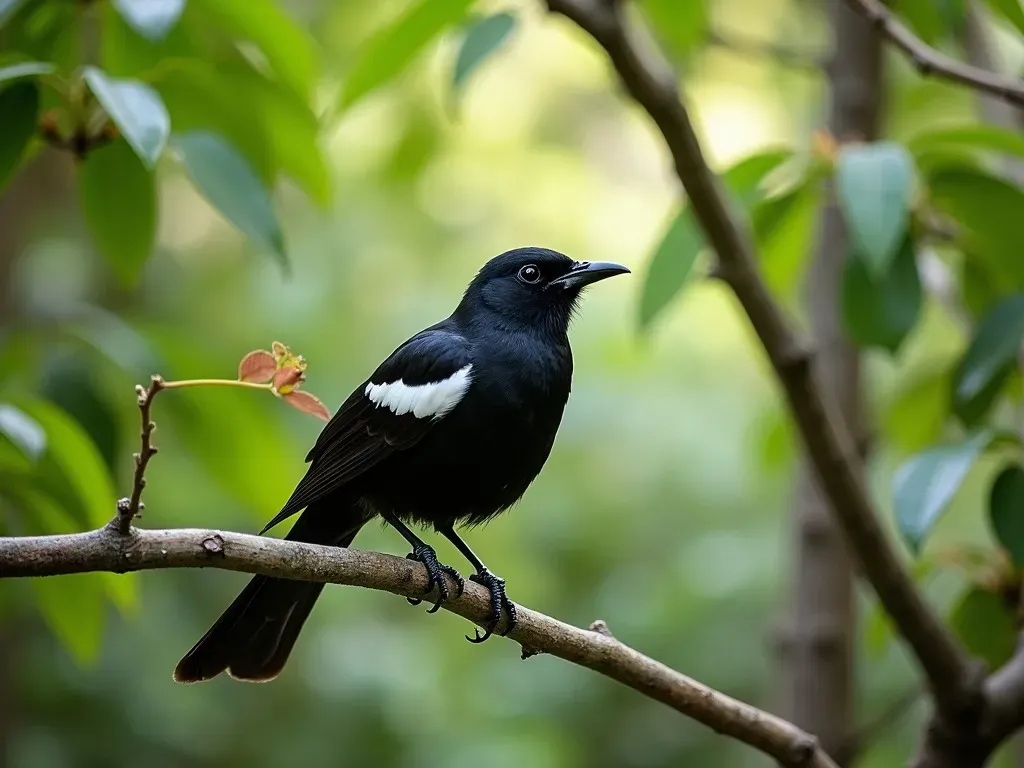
330	175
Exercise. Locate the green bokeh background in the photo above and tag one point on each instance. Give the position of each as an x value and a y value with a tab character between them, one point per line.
662	509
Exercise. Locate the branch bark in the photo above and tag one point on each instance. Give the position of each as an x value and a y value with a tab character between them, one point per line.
953	678
108	550
817	651
928	61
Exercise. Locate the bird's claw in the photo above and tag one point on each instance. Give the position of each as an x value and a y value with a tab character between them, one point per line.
423	553
499	601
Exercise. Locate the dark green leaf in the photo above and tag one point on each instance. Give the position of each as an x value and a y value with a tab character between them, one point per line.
990	356
228	182
72	458
917	414
980	289
152	19
289	49
681	26
7	9
70	380
873	187
1006	511
880	310
670	266
985	626
118	197
984	137
23	431
926	483
388	53
25	69
676	253
482	39
136	109
19	105
989	211
1011	11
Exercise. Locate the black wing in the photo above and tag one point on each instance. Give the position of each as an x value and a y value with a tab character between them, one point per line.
366	430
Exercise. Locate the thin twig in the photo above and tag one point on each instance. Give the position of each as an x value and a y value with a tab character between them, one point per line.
130	508
105	550
954	679
928	61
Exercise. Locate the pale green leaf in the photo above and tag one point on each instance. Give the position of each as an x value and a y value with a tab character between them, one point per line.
152	19
136	109
23	431
482	39
25	69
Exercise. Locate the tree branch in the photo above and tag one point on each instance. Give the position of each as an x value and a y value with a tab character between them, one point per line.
928	61
648	79
108	550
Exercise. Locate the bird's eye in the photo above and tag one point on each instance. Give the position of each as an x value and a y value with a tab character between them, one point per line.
529	274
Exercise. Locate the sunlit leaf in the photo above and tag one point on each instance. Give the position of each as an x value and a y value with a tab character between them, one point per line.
482	39
136	109
288	48
118	197
874	183
228	182
784	227
880	310
25	69
1011	11
72	459
681	26
989	210
1006	511
23	431
989	358
390	51
19	105
925	484
124	52
985	626
984	137
152	19
916	416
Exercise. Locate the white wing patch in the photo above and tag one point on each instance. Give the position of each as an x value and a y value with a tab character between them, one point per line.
432	400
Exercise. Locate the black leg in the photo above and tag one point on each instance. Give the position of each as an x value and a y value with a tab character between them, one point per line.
424	553
495	584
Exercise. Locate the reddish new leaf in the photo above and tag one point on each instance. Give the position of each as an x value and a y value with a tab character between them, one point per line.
287	379
307	403
257	367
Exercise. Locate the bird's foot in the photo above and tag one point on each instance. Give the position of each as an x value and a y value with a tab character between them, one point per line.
424	553
499	601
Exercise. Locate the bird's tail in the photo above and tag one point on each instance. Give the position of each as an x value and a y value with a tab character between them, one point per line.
252	639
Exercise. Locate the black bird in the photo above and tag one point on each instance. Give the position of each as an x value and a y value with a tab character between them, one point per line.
451	429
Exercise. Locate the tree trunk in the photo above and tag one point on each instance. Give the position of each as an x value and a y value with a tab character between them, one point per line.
817	648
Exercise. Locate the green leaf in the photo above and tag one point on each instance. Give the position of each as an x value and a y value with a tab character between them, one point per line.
483	38
984	137
386	55
19	105
23	431
933	20
152	19
124	52
8	8
118	197
136	109
676	253
784	229
880	310
25	69
988	209
670	266
72	460
989	358
228	182
1011	11
985	626
873	187
915	417
681	26
1006	511
288	48
980	289
926	483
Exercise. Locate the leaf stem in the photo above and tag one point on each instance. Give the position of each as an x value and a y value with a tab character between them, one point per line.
214	383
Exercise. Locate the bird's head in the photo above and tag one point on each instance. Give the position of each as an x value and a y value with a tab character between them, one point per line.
533	287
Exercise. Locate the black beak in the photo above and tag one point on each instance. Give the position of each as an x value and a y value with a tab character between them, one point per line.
587	272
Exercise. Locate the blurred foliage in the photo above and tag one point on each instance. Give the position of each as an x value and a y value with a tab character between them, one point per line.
379	152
